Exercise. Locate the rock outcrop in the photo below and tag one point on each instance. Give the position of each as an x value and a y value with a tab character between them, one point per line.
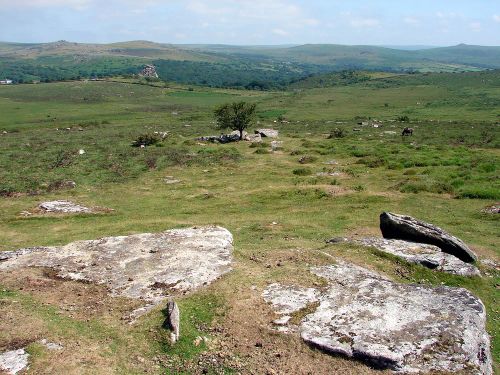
429	256
407	228
63	207
146	266
14	361
149	71
402	327
270	133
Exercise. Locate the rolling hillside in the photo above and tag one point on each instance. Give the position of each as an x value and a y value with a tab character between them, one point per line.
259	67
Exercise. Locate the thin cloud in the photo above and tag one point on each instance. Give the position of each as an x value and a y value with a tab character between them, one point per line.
365	22
496	18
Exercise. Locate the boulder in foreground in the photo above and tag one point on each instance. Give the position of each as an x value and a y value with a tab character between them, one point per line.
401	327
149	266
406	228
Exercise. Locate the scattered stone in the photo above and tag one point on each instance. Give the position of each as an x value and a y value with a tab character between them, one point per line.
406	328
276	145
172	322
491	263
81	152
51	345
329	174
494	209
283	320
331	162
149	267
407	228
14	361
253	138
63	207
170	180
223	138
390	132
269	133
429	256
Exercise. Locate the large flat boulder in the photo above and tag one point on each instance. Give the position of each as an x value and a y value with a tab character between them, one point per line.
407	228
63	207
406	328
149	266
429	256
269	133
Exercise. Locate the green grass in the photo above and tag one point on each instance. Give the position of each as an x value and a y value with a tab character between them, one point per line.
445	174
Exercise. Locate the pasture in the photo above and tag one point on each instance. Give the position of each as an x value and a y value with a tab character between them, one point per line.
280	211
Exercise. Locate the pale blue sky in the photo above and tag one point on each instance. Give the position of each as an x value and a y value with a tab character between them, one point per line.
376	22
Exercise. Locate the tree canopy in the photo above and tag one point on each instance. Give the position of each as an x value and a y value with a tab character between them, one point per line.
235	116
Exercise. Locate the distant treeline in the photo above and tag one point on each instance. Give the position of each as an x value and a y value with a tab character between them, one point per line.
49	69
252	75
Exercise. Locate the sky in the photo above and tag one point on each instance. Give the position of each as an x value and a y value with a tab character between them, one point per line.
254	22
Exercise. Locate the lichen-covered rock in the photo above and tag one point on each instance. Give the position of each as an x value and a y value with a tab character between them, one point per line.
402	327
63	207
270	133
142	266
429	256
14	361
289	299
402	227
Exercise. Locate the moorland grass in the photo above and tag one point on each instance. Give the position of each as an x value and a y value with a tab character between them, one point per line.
445	174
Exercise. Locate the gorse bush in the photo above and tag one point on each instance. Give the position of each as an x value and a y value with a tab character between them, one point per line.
144	140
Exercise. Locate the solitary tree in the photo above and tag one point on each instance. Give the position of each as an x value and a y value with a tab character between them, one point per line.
235	116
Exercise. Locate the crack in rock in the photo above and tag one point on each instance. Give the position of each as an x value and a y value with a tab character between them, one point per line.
429	256
406	328
145	266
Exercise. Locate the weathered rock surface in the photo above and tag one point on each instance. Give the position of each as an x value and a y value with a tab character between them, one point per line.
14	361
172	322
253	138
407	228
270	133
403	327
149	71
289	299
63	207
142	266
429	256
223	138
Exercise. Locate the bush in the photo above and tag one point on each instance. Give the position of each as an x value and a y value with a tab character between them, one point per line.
302	172
262	151
146	140
404	118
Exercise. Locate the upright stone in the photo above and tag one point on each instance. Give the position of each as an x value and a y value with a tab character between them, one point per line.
172	321
407	228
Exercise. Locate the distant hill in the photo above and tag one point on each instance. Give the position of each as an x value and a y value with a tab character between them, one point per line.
262	67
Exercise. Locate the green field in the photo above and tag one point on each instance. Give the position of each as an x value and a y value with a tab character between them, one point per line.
445	174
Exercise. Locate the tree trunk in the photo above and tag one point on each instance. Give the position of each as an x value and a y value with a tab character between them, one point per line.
241	134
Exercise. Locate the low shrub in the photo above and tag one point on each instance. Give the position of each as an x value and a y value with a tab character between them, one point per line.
144	140
302	171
